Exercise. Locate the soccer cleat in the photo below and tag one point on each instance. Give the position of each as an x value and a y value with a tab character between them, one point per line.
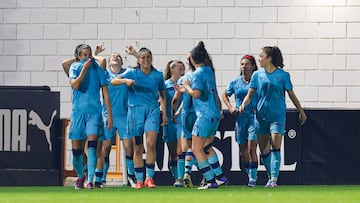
187	181
90	186
203	182
79	183
98	185
132	181
209	186
103	183
150	183
139	185
271	184
251	183
179	183
222	181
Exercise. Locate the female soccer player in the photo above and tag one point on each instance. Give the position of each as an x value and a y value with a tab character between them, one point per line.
207	108
145	85
172	131
244	126
188	118
86	79
271	82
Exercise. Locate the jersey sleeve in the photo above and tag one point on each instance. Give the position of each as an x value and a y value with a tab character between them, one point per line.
74	70
161	82
102	75
230	88
254	80
287	82
197	82
127	73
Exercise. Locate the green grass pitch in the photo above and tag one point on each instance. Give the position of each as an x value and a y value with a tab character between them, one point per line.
225	194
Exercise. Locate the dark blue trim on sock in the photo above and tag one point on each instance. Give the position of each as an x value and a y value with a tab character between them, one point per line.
99	174
181	156
77	152
92	144
139	170
106	159
189	154
128	157
265	155
275	150
253	165
150	166
172	163
247	165
204	170
215	165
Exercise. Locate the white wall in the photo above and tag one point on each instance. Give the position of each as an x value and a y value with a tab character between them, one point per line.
320	39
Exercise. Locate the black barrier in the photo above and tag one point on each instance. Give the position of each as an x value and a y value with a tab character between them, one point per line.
30	131
323	151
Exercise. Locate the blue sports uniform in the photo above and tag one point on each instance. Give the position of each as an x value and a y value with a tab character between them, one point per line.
119	105
143	112
207	106
188	116
172	131
245	122
271	106
86	106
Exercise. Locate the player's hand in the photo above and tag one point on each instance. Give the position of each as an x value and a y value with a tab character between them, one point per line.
130	82
87	64
130	50
302	117
233	110
98	49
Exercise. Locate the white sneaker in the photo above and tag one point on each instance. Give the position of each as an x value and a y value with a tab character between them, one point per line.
132	181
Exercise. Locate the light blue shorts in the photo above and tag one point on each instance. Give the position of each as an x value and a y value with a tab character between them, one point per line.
85	124
142	119
205	127
245	129
171	132
270	126
187	121
119	125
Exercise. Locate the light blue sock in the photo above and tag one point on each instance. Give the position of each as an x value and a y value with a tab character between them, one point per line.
266	159
253	166
188	162
91	161
205	169
106	168
173	168
275	163
139	174
130	165
215	165
77	161
150	170
181	165
98	175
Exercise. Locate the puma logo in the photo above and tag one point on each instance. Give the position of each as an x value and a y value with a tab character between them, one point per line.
34	119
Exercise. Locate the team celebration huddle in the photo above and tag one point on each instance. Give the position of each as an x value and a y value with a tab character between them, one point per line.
108	98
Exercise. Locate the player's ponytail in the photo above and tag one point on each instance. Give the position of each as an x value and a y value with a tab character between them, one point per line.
275	54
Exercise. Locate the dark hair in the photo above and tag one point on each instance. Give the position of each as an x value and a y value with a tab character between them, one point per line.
144	49
200	55
275	54
170	65
252	61
78	50
192	67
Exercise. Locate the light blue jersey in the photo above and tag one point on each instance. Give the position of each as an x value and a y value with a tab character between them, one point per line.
87	97
207	105
145	92
239	88
188	105
170	92
118	96
271	89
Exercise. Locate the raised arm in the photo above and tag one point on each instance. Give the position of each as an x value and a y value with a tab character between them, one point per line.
99	59
66	64
295	101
